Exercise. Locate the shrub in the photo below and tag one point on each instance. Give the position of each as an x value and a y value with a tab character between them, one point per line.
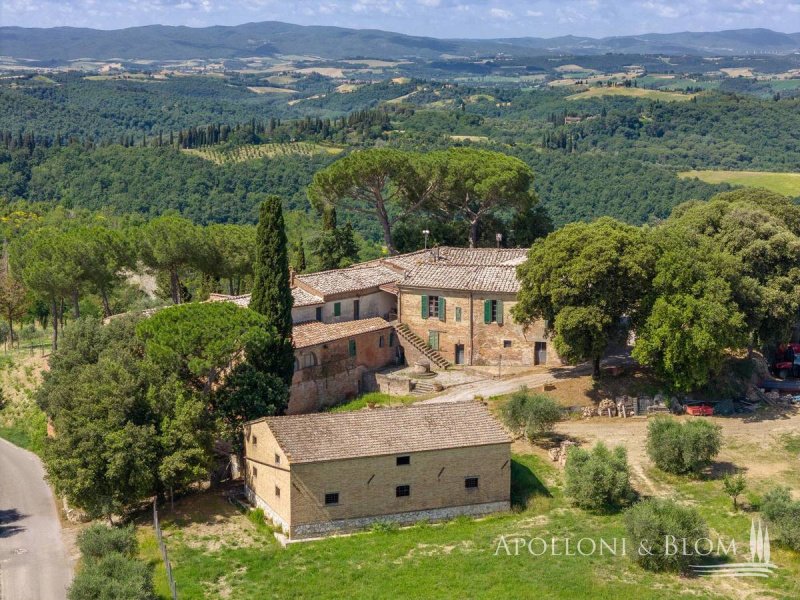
783	513
657	529
686	448
98	540
599	478
734	486
532	415
113	576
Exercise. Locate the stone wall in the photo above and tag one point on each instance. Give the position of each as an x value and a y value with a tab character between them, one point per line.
335	376
394	386
407	518
484	343
367	486
263	473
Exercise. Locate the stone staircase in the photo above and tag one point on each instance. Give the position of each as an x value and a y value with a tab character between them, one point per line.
422	388
419	344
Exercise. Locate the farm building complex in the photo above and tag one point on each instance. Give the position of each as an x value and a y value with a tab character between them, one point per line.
448	306
320	473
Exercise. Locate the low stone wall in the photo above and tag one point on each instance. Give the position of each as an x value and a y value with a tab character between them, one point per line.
406	518
394	386
257	501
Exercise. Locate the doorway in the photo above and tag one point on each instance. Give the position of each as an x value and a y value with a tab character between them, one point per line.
459	354
540	351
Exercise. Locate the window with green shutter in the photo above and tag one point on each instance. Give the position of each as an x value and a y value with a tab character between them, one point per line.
498	311
458	314
423	303
442	308
487	311
337	309
351	347
433	340
493	311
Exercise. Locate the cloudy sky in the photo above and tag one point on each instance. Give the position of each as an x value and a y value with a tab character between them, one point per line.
440	18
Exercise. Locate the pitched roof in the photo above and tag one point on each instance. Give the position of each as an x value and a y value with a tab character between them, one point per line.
374	432
350	279
303	298
499	279
311	333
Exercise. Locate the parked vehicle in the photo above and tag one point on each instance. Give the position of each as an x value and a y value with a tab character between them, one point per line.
787	361
700	410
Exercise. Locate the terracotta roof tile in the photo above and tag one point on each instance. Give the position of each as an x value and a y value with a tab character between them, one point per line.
381	431
350	279
311	333
500	279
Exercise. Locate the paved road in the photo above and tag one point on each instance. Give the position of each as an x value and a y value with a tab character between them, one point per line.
33	559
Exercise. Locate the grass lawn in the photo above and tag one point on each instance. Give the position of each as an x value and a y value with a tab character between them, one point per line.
787	184
217	552
373	399
21	421
631	91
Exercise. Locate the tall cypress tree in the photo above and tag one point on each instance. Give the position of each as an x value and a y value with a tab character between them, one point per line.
272	296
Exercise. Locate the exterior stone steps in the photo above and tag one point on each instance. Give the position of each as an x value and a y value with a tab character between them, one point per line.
419	344
421	388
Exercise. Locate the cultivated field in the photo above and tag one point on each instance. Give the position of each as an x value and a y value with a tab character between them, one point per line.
256	151
782	183
631	91
271	90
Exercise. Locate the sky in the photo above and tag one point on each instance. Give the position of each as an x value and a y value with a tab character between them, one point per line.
437	18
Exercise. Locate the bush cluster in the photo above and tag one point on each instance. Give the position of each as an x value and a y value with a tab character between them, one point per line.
682	448
110	567
531	415
783	513
598	478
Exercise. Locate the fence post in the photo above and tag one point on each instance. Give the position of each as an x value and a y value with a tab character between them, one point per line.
163	547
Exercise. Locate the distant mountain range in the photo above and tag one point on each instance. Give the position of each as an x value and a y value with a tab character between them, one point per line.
159	42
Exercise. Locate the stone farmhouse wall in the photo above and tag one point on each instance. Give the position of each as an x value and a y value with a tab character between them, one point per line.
326	374
266	474
366	488
374	304
484	343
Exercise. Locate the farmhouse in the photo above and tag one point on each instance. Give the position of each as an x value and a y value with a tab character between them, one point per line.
450	306
320	473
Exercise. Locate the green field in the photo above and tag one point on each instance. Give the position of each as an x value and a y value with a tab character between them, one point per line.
256	151
217	552
787	184
634	92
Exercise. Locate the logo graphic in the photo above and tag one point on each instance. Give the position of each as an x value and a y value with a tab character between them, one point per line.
759	565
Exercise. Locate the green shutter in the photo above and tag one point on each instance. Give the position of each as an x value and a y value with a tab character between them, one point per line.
433	340
458	314
352	347
487	311
500	312
442	308
337	309
424	306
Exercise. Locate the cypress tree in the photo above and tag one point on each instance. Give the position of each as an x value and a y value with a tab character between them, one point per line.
272	296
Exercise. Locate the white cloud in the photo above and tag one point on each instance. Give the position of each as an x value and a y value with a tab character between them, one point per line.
534	13
501	13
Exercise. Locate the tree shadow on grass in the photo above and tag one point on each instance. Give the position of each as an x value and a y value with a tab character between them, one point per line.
525	486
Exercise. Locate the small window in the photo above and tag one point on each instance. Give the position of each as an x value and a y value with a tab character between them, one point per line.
380	342
356	310
401	491
403	460
506	343
255	441
319	313
351	347
458	314
277	492
470	482
332	498
337	309
277	459
391	339
494	311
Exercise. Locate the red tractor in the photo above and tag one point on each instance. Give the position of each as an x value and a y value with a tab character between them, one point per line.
787	361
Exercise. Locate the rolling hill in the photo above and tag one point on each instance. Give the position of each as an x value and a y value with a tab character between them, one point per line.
158	42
